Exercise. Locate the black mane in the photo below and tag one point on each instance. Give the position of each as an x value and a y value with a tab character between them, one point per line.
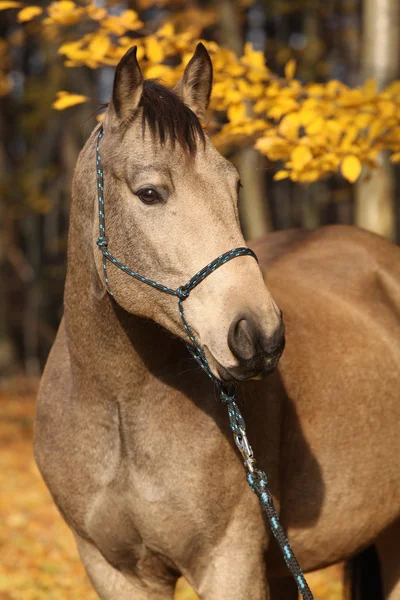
169	118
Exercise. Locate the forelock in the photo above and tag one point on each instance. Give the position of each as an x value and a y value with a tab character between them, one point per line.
168	118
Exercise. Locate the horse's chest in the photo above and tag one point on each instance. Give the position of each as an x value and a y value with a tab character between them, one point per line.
159	508
134	523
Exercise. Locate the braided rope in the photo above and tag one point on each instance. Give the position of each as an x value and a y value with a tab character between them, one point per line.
256	478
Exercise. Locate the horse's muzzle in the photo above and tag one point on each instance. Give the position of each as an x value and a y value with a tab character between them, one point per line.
257	355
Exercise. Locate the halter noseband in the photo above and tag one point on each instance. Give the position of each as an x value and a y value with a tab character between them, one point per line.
256	478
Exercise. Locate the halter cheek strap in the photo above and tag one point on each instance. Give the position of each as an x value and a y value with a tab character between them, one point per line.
256	478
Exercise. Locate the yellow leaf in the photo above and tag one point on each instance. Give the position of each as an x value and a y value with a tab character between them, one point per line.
316	89
232	95
97	14
234	69
4	4
387	109
244	87
274	147
290	69
248	127
315	126
65	100
330	161
350	168
289	126
252	57
351	133
362	120
261	106
377	127
167	30
283	106
64	12
309	176
334	87
333	130
281	175
250	90
130	19
119	25
306	116
237	112
273	89
395	158
166	74
248	124
370	87
28	13
350	98
154	49
300	157
278	152
277	111
99	47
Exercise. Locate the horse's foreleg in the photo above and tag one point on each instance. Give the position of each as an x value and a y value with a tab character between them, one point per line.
234	576
388	547
110	584
235	568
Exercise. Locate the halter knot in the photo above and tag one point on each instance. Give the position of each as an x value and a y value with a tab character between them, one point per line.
182	293
102	241
227	396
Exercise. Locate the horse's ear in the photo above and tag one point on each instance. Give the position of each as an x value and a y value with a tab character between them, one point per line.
195	85
128	85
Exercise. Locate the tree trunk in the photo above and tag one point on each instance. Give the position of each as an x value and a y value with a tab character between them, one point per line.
381	60
254	209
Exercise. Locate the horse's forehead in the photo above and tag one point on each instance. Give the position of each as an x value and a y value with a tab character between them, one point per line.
142	149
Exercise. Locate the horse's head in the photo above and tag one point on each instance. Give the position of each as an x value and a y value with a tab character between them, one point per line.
171	208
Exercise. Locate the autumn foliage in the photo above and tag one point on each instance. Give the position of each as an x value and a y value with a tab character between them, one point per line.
310	130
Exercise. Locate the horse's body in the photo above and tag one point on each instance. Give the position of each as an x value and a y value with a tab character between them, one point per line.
135	447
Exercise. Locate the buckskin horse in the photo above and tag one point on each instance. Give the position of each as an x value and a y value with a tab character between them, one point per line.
130	437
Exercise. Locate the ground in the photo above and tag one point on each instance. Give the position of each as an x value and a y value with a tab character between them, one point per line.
39	558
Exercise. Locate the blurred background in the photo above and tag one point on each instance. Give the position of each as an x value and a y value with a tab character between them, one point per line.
345	40
348	41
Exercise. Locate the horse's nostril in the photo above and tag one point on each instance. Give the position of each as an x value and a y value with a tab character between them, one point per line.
246	340
241	338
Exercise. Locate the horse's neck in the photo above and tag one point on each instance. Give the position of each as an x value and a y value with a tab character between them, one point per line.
107	346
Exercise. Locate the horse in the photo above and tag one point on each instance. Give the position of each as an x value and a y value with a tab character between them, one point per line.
130	437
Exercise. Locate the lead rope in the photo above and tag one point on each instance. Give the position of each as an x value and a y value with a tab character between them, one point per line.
256	478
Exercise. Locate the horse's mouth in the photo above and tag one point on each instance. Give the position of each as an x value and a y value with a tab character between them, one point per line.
256	368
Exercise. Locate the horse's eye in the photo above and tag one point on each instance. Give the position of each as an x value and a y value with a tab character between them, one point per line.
149	195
